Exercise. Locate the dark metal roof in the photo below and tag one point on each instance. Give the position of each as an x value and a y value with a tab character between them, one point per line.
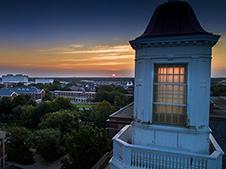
173	18
125	112
6	92
19	90
26	90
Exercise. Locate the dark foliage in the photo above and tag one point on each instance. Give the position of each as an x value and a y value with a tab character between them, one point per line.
113	94
218	90
85	147
18	146
48	144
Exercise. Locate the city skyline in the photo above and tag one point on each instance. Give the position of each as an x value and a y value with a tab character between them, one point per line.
81	38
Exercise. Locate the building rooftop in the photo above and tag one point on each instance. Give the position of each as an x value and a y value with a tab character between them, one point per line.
173	18
25	90
18	90
125	112
6	92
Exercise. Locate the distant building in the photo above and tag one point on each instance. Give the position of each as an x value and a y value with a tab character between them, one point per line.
44	81
77	88
7	92
18	78
170	127
63	83
129	84
76	96
34	92
109	82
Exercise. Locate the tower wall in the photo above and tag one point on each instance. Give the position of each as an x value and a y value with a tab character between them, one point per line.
194	135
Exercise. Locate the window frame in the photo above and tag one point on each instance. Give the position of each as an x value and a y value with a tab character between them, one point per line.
184	95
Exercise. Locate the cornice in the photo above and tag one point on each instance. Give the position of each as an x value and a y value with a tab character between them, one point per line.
175	41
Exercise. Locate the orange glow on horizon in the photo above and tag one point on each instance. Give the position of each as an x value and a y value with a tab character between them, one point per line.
72	59
219	58
80	59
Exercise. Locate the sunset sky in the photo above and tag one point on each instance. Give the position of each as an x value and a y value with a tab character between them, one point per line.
88	37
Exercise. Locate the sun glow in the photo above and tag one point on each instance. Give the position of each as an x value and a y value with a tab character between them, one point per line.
71	59
86	60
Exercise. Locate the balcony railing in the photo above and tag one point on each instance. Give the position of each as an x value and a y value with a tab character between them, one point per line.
129	156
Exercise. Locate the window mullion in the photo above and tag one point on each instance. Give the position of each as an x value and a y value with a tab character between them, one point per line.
170	88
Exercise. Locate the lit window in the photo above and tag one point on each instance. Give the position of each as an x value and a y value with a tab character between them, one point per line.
169	105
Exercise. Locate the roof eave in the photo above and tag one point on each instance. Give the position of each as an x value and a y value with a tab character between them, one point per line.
175	40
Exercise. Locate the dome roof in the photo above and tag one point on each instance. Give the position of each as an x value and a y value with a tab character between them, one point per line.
173	18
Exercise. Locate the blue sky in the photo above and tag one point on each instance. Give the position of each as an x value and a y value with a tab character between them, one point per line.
29	26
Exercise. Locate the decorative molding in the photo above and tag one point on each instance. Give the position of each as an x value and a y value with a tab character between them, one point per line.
174	44
176	57
192	40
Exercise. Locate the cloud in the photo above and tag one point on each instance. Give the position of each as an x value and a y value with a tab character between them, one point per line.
100	54
101	49
62	49
81	49
76	45
79	57
105	58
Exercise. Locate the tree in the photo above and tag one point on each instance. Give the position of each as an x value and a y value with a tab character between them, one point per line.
105	93
44	108
62	103
48	144
54	86
85	147
119	101
27	116
16	111
18	146
63	120
87	116
5	105
113	94
218	90
20	100
102	112
48	96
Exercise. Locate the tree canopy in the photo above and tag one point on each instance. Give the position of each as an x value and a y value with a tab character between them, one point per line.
86	146
48	143
115	95
55	127
63	120
102	112
18	146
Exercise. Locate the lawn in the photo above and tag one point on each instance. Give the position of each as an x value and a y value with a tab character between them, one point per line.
84	106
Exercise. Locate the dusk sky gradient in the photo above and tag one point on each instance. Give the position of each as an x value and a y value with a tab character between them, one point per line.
88	38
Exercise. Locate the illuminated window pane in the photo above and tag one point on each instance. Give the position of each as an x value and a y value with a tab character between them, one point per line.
169	105
176	78
170	78
182	70
182	80
176	70
169	70
164	70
